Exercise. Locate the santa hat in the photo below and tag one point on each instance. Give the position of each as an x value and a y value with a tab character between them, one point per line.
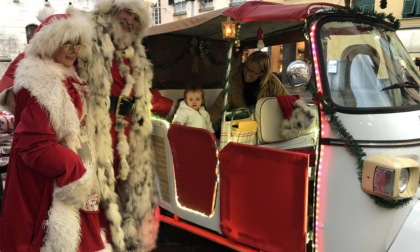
56	30
138	7
286	103
45	43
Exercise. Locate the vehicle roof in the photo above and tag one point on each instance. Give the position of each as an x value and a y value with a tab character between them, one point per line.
250	15
193	50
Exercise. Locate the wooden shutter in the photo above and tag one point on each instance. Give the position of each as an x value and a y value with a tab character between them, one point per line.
408	8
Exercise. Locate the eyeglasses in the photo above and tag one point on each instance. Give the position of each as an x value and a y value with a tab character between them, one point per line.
69	48
247	70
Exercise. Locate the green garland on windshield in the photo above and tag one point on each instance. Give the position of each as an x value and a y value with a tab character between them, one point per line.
357	12
350	144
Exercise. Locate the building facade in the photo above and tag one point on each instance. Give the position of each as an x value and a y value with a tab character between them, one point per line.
18	18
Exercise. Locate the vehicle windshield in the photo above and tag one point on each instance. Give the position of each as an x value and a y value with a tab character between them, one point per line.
367	67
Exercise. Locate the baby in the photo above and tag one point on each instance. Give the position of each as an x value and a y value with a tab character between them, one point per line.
191	111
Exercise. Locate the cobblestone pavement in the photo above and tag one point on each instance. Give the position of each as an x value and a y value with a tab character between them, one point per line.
172	239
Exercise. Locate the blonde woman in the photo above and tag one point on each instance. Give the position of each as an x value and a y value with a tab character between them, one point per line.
253	81
50	200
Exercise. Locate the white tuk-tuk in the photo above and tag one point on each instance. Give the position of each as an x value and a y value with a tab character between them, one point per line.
347	184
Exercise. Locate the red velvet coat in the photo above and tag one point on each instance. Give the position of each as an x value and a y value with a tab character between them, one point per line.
40	165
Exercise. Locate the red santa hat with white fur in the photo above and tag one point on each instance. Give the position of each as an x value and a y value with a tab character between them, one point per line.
58	29
47	41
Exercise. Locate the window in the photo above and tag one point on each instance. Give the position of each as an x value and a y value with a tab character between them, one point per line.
236	2
368	5
206	5
411	8
29	31
367	67
180	7
156	16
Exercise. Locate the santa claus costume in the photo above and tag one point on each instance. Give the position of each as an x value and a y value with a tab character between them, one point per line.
49	200
119	76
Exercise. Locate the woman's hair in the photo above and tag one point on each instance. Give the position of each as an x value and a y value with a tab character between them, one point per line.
262	60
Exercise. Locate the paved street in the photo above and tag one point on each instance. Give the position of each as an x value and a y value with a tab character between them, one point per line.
172	239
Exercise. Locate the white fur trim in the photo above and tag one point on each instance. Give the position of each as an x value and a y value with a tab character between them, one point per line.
129	52
112	213
150	229
77	192
58	31
63	224
44	13
104	6
43	79
136	198
62	228
108	247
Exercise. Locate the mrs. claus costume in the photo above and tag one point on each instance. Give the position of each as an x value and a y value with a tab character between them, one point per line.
123	155
49	200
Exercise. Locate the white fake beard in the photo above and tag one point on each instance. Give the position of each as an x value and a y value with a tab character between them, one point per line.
122	39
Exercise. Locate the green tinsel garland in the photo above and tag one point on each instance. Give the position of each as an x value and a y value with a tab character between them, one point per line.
185	51
226	87
377	17
350	144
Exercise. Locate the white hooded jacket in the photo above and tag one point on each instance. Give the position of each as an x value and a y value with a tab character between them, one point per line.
188	116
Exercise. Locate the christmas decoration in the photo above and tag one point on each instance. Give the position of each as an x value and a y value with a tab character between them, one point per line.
357	12
350	144
229	29
260	37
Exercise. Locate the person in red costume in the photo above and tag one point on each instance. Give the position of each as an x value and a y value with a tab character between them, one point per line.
119	77
51	195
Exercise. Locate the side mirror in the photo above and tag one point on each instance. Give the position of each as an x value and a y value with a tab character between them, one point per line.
297	73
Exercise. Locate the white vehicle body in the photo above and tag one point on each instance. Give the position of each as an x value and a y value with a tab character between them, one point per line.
365	90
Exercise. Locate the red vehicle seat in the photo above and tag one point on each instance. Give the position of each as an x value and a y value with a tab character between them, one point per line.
195	159
263	194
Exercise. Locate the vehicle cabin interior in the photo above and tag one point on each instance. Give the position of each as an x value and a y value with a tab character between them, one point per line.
196	179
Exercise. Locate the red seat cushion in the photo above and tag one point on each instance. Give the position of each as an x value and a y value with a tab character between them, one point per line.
263	195
195	158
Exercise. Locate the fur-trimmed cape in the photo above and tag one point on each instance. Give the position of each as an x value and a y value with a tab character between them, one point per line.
131	211
43	79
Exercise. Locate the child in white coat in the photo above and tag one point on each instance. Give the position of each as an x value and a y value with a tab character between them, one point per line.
191	111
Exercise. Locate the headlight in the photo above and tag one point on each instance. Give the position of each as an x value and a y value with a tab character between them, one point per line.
404	178
390	177
383	180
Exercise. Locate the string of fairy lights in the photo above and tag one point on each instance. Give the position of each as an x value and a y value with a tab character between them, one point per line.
328	109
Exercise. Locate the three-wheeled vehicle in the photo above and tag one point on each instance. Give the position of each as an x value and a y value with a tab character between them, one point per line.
347	184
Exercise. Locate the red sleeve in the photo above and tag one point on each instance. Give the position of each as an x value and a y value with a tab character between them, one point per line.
38	146
9	75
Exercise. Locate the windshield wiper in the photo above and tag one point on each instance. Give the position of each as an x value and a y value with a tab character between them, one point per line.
407	84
